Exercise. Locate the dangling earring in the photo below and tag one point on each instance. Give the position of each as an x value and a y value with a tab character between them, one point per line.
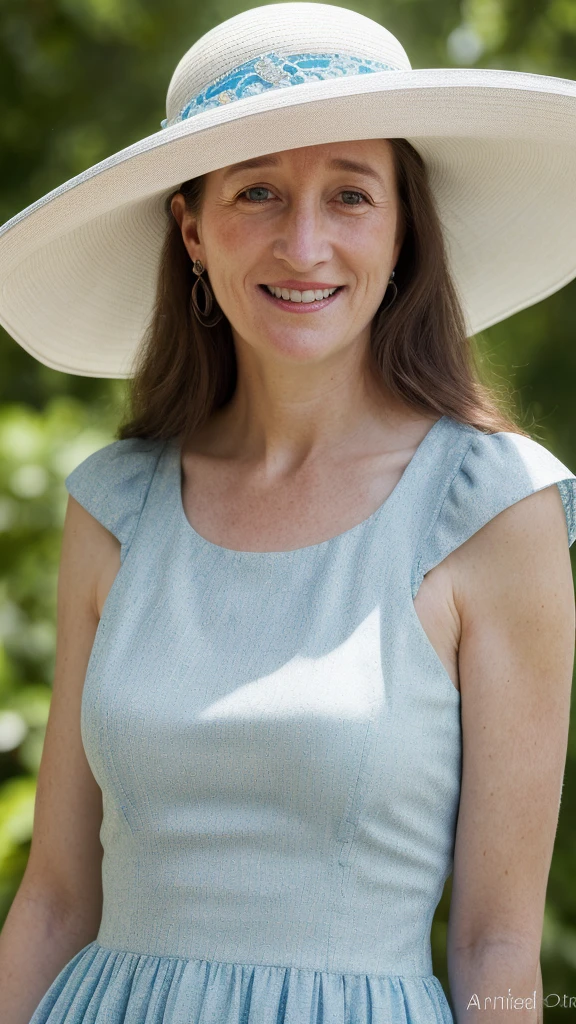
394	286
203	315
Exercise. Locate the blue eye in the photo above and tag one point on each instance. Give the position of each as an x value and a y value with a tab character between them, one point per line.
349	193
263	189
255	188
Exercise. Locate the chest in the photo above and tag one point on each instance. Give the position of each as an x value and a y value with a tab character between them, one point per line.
247	516
299	689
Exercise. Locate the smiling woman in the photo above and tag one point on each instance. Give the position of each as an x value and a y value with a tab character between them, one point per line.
316	612
414	344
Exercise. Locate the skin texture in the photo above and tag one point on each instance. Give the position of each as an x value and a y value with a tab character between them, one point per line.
514	591
299	374
301	389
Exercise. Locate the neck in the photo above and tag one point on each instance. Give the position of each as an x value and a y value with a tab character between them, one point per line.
284	418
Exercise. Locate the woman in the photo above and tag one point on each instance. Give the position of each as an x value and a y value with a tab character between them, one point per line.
316	615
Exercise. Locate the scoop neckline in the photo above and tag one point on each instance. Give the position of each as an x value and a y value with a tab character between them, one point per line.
386	506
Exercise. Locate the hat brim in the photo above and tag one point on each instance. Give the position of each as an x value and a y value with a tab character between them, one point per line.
79	266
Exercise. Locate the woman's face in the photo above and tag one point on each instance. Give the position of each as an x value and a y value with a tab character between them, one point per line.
302	220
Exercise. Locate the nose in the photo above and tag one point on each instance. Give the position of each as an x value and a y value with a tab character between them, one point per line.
302	238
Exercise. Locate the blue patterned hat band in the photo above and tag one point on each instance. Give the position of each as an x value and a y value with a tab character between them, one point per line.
270	71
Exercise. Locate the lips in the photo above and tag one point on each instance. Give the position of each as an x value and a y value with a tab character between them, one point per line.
302	286
301	307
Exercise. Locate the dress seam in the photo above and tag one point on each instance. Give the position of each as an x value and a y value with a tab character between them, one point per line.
425	536
282	967
128	544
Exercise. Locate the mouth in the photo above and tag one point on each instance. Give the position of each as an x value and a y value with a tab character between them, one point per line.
301	301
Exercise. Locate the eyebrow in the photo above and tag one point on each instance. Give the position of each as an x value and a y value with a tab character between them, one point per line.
336	164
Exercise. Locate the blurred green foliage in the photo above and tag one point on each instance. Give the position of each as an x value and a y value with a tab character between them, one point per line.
80	79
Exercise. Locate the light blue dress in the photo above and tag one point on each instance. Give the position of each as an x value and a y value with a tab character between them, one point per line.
279	750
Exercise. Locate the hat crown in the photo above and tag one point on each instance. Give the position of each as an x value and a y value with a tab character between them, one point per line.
286	29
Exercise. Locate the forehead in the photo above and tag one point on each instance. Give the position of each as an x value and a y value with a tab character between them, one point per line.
371	158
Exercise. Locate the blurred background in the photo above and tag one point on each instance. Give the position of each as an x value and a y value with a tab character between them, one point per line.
81	79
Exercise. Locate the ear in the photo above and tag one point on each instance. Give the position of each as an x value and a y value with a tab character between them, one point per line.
188	224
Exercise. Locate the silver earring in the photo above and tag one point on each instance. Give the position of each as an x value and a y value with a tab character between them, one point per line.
203	315
391	283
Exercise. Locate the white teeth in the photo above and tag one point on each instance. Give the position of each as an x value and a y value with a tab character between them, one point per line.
296	296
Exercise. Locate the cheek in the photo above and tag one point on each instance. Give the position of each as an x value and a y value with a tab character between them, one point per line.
368	240
233	250
229	236
367	258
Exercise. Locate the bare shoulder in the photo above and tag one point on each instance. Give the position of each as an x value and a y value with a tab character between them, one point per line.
64	864
90	555
519	554
514	591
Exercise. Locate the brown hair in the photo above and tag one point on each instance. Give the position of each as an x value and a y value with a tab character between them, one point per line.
419	350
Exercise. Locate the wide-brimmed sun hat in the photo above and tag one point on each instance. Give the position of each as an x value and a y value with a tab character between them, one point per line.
78	267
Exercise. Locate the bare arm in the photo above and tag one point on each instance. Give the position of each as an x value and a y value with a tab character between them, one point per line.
514	591
58	906
496	983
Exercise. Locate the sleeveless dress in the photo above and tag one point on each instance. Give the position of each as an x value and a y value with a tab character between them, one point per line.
278	747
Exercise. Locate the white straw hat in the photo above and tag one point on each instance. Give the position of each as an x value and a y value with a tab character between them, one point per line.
78	267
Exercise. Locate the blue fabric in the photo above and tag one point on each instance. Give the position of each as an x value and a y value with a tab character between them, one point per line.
279	750
271	71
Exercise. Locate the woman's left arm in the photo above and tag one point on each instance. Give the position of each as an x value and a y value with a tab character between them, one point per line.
514	592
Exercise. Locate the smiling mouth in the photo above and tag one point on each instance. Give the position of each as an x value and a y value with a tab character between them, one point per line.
291	297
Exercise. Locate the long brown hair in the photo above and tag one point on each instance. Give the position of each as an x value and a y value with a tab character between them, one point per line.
419	351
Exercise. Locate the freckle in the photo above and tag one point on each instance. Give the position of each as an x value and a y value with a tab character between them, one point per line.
505	872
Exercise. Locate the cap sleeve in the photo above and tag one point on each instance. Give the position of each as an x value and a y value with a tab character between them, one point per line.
496	471
113	482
